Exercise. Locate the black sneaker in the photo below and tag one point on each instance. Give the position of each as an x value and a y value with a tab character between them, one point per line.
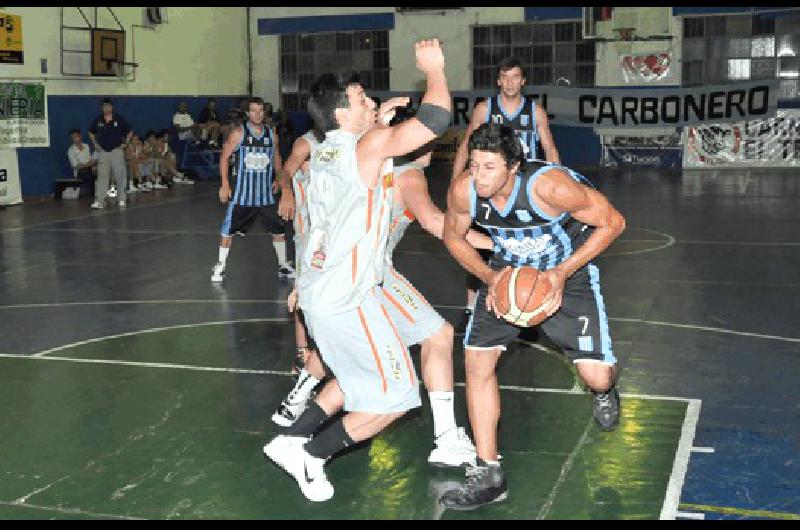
485	484
605	408
286	271
461	327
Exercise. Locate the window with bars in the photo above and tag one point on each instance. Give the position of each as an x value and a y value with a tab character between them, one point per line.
304	57
550	52
718	49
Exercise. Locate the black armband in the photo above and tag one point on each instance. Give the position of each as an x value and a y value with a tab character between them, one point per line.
434	117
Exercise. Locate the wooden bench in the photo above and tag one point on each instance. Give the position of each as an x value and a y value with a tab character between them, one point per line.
62	184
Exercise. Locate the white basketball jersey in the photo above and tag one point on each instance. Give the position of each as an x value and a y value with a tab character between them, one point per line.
348	227
401	218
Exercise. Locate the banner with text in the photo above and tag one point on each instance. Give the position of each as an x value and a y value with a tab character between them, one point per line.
23	116
772	142
626	107
10	192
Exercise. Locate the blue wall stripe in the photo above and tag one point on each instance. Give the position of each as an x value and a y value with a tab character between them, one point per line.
316	24
687	10
552	13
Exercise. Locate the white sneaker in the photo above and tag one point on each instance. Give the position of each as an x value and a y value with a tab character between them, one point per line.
453	449
96	206
122	204
160	186
145	186
179	174
288	453
132	188
112	192
217	272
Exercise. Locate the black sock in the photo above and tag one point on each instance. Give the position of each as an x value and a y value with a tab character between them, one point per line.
330	441
308	422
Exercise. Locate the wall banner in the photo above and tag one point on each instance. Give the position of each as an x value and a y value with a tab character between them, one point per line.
772	142
609	108
23	116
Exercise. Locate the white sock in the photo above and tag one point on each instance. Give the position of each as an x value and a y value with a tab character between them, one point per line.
304	385
444	417
280	250
493	463
223	255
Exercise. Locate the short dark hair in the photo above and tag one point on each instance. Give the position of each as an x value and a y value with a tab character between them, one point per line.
496	138
255	99
73	131
150	133
328	93
163	133
508	63
107	101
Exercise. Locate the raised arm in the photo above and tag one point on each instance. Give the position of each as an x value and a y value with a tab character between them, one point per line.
431	120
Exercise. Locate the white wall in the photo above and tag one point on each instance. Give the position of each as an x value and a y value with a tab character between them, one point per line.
200	50
453	29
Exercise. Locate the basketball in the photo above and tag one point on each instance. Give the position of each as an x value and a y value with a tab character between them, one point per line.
519	295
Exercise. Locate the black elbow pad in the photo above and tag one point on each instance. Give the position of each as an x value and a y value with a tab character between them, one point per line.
434	117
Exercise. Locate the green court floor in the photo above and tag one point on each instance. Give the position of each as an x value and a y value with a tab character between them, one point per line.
143	439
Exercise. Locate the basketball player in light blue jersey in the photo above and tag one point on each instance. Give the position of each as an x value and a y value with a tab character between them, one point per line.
256	156
544	216
512	108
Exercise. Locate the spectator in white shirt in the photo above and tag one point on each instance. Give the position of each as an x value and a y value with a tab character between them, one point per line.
185	126
83	162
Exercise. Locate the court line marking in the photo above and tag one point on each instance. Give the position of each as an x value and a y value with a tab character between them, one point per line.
702	449
154	330
690	515
741	511
565	468
124	232
108	211
680	465
706	328
142	302
69	511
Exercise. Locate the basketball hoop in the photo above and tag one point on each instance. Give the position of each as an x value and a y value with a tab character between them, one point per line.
624	34
623	42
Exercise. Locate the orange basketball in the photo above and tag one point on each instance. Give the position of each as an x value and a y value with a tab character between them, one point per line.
519	296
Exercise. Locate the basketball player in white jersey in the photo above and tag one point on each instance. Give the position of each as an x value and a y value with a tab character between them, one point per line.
416	320
339	289
529	121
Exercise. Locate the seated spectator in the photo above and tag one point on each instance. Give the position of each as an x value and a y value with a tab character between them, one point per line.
83	162
169	162
185	127
209	123
131	161
135	157
152	161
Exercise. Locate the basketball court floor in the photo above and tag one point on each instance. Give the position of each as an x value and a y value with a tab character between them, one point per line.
132	387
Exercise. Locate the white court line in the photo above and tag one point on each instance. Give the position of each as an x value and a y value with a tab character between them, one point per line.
153	330
69	511
143	364
702	449
706	328
669	509
565	468
124	232
143	302
108	211
690	515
